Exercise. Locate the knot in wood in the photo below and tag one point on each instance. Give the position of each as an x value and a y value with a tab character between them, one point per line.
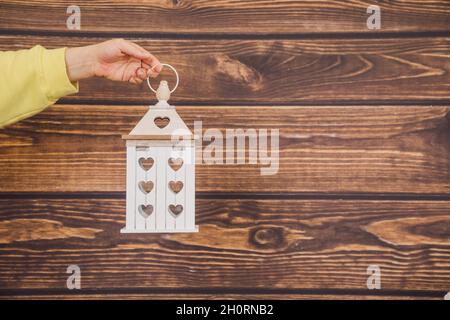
267	237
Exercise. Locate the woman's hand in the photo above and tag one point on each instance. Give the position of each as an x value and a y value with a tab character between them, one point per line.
118	60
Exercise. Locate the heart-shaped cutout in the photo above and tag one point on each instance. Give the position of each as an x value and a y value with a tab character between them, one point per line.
146	163
146	186
161	122
145	210
176	186
175	164
175	210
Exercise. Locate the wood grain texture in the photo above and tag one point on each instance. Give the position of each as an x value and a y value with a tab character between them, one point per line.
280	71
404	295
243	64
230	17
242	244
381	149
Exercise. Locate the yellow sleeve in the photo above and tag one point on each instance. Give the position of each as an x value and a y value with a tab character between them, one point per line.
31	80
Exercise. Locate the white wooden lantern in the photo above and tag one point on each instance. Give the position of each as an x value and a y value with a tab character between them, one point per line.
160	170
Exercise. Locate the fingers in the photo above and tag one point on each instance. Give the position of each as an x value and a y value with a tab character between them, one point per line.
149	65
149	72
153	66
156	66
139	76
133	50
136	80
141	73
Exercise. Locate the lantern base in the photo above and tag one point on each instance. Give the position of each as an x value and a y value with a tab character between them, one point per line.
124	230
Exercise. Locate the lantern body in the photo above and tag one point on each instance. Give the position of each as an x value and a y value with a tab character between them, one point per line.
160	174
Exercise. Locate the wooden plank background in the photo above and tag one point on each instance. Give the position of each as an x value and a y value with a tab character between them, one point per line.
364	173
248	243
281	71
226	17
363	149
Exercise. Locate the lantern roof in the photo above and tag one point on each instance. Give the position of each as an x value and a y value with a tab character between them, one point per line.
161	122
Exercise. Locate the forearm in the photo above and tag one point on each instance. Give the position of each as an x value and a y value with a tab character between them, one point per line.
30	80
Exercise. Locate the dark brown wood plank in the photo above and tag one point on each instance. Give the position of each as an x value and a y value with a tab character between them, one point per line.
230	17
281	71
242	244
405	295
363	149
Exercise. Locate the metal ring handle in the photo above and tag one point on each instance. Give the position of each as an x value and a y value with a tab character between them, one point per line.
176	73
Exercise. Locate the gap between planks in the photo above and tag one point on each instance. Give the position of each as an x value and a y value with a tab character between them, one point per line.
224	291
228	36
239	195
256	104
